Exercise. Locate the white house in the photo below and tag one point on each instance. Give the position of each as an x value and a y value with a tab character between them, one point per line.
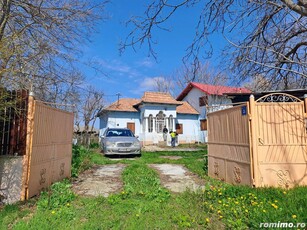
205	97
147	116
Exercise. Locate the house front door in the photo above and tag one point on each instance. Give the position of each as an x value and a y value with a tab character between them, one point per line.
131	126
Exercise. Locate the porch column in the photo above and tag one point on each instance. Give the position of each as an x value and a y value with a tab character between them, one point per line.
154	125
146	125
174	125
166	123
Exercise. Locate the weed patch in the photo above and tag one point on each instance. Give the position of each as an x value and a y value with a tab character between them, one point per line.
145	204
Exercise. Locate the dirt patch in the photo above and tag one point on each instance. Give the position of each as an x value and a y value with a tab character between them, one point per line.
100	181
107	179
177	178
171	157
155	148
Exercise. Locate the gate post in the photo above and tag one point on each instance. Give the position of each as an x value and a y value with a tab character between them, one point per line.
253	141
305	110
27	156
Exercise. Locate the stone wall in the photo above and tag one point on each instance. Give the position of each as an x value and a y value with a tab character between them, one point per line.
10	179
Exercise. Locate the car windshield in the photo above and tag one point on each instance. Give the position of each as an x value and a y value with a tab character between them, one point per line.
119	133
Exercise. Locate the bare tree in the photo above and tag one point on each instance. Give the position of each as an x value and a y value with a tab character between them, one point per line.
40	40
163	84
258	84
91	106
202	74
266	38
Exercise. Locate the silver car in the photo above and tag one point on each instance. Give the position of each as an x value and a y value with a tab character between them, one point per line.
120	141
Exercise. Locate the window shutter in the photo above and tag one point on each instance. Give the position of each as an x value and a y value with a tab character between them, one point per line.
203	124
179	128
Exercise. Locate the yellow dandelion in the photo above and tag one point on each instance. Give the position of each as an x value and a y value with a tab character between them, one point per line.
246	210
207	220
264	210
68	204
293	216
220	217
285	192
276	201
220	202
53	212
220	193
236	202
219	211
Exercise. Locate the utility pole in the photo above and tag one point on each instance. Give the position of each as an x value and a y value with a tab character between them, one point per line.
118	95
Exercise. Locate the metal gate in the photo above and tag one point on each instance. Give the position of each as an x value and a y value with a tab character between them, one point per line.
49	147
279	140
260	143
229	145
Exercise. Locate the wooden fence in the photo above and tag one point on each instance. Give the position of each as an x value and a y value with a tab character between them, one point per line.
260	143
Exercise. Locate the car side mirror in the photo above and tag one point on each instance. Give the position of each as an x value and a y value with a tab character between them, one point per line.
137	136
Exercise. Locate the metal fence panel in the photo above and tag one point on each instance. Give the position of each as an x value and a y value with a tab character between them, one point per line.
281	144
228	145
50	157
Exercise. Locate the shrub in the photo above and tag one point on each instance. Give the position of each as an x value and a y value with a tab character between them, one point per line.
80	160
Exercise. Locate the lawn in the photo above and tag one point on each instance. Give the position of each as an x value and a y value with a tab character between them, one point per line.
145	204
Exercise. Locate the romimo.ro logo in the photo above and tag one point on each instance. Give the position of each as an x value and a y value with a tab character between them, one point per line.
283	225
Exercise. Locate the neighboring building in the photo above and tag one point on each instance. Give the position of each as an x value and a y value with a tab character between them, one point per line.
147	116
205	97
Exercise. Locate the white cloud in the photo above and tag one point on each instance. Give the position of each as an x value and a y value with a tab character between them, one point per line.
147	84
146	62
117	68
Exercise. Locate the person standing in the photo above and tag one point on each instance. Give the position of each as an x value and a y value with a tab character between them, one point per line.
165	131
173	136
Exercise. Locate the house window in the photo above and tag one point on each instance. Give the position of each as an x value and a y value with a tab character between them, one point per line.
203	101
160	122
203	124
150	123
179	128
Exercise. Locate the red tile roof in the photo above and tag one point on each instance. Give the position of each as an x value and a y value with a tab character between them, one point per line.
211	89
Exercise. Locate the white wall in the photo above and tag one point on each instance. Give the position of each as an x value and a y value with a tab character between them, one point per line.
120	120
155	109
193	98
213	100
191	128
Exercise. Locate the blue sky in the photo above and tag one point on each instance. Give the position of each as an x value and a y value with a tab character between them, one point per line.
133	73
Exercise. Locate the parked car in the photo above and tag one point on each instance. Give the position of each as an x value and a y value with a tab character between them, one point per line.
120	141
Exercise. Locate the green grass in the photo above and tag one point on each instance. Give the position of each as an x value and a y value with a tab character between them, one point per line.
144	204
